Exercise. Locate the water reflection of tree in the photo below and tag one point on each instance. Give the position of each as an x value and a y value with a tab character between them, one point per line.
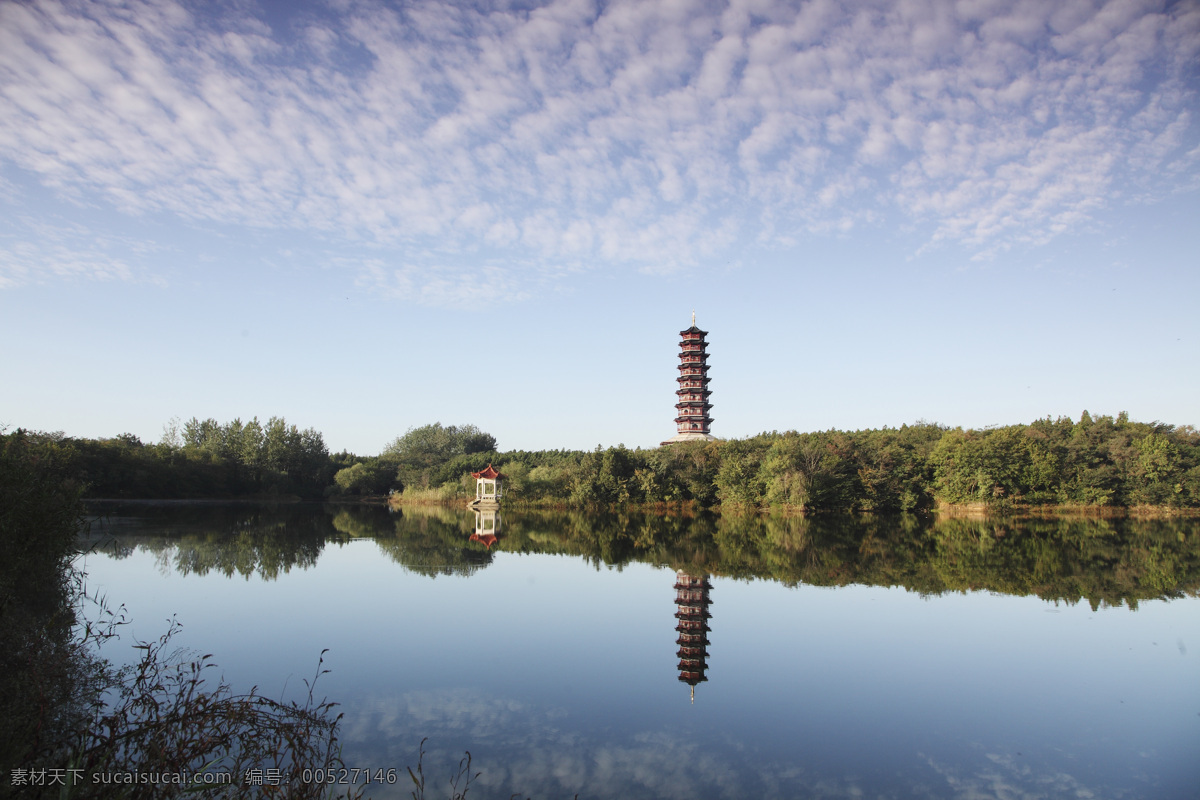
433	541
242	539
1103	561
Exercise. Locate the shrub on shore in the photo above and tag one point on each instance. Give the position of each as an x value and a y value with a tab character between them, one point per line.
71	717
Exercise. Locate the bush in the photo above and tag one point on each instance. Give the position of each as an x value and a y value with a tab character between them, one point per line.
66	708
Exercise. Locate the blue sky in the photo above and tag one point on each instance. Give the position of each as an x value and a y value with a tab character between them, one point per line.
368	216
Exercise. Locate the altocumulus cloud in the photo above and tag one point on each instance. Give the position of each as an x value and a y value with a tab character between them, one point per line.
643	135
538	751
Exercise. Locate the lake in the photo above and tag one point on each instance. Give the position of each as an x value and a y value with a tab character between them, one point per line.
660	656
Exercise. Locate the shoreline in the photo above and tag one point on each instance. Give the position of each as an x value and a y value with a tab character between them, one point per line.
948	510
687	508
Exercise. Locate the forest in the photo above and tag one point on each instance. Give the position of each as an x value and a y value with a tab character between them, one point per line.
1102	461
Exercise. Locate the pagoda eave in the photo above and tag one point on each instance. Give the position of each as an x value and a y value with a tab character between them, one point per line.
693	586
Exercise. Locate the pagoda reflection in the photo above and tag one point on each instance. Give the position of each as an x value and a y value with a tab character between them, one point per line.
692	599
487	526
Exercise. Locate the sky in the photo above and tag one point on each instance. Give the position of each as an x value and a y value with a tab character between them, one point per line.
369	216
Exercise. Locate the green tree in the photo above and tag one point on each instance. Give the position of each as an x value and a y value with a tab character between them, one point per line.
420	451
739	480
1157	472
372	476
812	471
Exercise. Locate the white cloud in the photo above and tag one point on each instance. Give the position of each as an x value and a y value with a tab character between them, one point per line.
39	251
646	133
434	283
544	751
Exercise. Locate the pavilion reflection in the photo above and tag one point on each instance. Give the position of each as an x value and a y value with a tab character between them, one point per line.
692	599
487	526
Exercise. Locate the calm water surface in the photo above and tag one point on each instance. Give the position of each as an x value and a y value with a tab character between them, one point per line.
845	658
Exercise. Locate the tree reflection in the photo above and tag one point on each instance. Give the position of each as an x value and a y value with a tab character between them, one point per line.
1103	561
241	539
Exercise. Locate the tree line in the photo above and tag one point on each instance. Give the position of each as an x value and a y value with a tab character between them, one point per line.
200	459
1094	461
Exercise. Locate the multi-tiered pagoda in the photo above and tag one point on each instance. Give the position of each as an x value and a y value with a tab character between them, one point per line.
692	406
692	601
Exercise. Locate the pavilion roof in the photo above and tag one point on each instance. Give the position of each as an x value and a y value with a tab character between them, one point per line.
491	473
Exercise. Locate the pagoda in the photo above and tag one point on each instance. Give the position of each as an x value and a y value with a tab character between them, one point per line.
692	406
692	601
